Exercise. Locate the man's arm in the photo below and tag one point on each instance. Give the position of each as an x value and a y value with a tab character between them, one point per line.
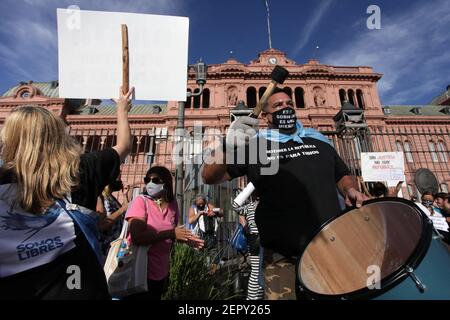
238	135
215	169
192	216
347	187
211	213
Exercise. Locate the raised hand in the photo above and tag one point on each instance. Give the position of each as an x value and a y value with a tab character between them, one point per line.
124	101
241	131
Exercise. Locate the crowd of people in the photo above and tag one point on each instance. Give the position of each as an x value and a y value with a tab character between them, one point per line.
432	204
438	205
58	209
54	201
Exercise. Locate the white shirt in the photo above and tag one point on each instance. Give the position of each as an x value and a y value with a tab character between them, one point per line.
30	240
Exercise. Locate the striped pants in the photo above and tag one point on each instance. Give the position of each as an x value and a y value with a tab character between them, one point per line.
255	288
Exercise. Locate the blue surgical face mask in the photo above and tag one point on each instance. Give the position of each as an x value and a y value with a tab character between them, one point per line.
153	189
427	203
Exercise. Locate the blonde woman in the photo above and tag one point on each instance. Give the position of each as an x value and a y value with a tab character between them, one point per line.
48	243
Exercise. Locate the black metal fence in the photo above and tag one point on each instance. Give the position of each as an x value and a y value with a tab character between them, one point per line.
423	147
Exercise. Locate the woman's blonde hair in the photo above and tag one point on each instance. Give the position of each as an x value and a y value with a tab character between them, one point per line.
41	155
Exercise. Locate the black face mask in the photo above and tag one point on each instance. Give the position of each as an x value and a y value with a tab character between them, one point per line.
284	120
116	186
201	207
427	203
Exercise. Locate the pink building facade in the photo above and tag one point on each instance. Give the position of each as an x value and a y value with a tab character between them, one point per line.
318	92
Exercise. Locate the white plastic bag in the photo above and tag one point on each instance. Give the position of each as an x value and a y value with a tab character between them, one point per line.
126	266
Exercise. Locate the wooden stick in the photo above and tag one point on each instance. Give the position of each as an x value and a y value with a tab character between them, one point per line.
257	110
125	61
278	75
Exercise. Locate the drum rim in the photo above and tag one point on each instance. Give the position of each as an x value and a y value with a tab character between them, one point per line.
388	282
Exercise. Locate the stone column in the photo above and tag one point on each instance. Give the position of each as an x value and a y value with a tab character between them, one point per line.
85	139
102	142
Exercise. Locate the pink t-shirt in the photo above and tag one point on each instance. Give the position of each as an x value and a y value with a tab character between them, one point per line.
157	220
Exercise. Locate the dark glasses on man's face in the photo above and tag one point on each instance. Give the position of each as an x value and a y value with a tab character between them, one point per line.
156	180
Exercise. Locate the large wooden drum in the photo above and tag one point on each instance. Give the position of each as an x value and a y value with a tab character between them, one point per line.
367	252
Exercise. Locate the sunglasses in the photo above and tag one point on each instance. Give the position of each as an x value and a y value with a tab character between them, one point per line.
156	180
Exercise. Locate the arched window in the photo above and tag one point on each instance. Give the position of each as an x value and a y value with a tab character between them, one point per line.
442	148
189	99
196	99
399	146
261	92
342	96
408	154
444	187
351	97
205	102
251	97
299	97
288	91
432	147
404	147
360	99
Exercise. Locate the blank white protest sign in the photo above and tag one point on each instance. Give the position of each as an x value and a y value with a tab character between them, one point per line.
90	54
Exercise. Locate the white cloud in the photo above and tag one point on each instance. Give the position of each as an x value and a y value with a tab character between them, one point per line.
311	25
411	50
29	48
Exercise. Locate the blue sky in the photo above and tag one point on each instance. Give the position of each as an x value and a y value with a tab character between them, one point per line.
411	49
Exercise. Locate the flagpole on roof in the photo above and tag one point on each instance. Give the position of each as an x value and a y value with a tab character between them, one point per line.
268	23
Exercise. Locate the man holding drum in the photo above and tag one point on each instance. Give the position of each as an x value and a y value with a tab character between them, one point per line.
297	198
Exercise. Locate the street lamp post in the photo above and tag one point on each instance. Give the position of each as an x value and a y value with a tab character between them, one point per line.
200	75
352	129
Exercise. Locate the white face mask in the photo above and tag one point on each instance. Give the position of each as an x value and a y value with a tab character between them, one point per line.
153	189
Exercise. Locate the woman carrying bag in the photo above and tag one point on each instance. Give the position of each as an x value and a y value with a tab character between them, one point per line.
153	219
49	248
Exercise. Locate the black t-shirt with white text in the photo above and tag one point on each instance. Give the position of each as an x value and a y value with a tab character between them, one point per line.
300	197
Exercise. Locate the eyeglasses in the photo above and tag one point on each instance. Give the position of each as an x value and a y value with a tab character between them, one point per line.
156	180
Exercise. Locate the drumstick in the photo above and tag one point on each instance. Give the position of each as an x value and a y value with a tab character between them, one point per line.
278	75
